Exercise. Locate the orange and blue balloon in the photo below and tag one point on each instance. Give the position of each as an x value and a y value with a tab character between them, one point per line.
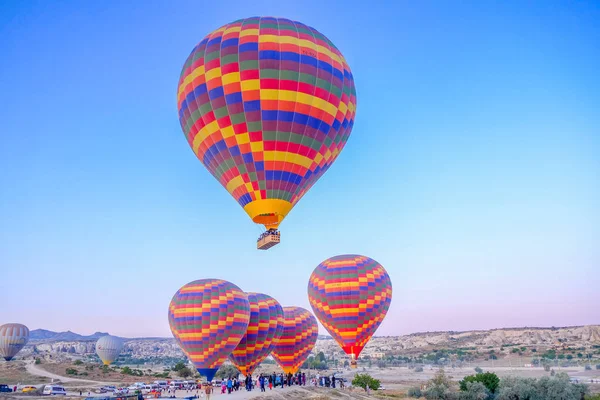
350	295
209	318
264	329
267	105
300	332
13	337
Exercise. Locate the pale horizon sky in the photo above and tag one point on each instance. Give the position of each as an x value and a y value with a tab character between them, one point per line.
472	173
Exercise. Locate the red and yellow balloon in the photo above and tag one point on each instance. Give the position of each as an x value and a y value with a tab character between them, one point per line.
264	329
267	105
300	332
209	318
350	295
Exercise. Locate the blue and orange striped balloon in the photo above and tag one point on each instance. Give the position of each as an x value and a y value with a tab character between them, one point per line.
209	318
300	332
264	329
267	105
350	294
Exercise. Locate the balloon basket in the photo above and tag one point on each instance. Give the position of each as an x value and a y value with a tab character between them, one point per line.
268	239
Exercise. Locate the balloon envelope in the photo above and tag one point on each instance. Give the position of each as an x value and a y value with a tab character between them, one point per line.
108	348
267	105
208	318
350	295
264	329
300	331
13	337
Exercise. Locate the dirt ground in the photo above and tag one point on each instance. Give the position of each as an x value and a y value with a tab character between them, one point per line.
16	372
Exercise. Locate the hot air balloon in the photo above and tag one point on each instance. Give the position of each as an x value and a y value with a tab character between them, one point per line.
108	348
267	105
13	337
209	318
300	331
264	329
350	295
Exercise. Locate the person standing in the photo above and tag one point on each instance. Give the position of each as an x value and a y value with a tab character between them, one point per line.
208	389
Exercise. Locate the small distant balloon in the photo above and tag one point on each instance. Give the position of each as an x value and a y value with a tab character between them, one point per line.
13	337
209	318
350	294
108	348
300	332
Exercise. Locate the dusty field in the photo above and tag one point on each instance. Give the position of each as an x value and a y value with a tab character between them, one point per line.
16	372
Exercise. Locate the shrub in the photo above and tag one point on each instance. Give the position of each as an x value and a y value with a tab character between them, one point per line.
78	362
418	369
438	387
39	361
475	391
71	371
488	379
414	392
588	367
365	380
557	387
478	370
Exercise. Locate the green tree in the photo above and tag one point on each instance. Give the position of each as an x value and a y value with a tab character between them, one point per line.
38	361
488	379
78	362
364	380
185	372
126	371
179	366
321	357
227	371
71	371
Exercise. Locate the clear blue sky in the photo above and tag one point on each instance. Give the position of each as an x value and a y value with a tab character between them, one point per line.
472	173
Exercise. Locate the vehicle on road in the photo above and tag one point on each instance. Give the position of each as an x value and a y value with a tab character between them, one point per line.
54	390
5	389
28	389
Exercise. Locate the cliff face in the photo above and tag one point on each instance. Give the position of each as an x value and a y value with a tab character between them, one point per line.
572	336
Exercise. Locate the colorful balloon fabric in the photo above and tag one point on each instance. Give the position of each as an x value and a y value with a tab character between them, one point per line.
267	105
209	318
108	348
264	329
300	331
350	295
13	337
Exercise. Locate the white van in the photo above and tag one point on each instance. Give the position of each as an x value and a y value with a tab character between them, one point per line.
162	384
53	390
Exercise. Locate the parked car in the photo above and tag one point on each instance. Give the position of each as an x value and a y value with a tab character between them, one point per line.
28	389
54	390
5	389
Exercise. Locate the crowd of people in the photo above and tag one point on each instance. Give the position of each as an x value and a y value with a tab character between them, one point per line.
232	384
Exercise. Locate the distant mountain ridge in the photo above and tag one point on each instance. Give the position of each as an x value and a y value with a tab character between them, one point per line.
68	336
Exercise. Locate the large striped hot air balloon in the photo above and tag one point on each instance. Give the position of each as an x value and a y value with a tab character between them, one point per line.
267	105
13	337
264	329
108	348
209	318
300	332
350	294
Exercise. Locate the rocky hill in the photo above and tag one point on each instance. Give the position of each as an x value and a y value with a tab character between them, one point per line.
578	336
